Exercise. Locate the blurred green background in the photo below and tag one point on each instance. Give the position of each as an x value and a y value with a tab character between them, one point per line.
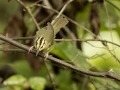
23	71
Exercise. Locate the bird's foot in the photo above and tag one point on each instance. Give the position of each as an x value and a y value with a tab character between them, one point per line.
46	55
37	52
30	49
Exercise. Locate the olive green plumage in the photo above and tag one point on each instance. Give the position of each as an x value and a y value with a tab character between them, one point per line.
58	23
45	36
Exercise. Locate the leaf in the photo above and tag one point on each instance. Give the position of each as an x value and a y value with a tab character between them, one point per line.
22	67
37	83
64	80
68	52
15	80
104	83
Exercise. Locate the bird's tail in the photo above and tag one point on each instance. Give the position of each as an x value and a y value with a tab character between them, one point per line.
58	23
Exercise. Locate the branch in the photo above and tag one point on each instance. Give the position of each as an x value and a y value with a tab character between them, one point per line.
12	50
66	40
30	13
61	62
61	11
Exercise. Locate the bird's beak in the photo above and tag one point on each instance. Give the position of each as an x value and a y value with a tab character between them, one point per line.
37	52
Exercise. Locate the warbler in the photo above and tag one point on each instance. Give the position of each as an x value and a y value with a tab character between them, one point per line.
44	37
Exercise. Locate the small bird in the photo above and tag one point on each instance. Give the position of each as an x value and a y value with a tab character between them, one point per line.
44	37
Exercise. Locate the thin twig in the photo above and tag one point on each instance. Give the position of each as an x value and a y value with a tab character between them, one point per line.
32	5
85	40
12	50
70	34
113	54
19	38
29	11
85	82
110	28
64	7
49	73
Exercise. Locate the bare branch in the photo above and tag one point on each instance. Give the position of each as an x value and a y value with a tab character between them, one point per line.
29	11
12	50
63	63
69	1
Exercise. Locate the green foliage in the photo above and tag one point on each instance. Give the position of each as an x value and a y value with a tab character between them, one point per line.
37	83
6	10
64	79
101	58
19	82
25	70
15	82
103	83
69	53
29	22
